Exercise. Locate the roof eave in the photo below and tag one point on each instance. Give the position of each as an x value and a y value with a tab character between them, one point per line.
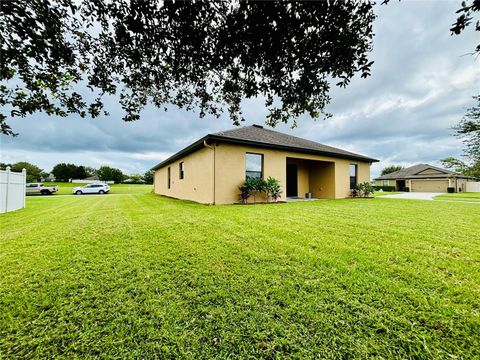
188	150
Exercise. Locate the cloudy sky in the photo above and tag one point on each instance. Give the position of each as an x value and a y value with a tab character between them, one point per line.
421	84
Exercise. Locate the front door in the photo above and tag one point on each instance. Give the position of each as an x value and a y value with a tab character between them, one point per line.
292	182
400	185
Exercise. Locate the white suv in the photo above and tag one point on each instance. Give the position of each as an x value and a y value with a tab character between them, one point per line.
91	189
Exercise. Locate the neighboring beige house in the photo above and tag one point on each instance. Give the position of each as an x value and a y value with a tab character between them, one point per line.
424	178
211	169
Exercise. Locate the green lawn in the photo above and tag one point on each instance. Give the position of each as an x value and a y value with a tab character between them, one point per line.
471	196
66	188
141	276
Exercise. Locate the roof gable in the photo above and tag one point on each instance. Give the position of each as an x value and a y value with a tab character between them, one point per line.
432	171
419	170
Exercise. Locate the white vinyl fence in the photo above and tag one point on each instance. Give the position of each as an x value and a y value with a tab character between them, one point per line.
473	186
85	181
12	190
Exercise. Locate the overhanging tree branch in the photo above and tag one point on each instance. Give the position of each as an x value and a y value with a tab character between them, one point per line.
196	55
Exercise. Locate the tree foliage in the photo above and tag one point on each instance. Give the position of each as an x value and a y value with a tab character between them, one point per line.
461	167
64	172
148	177
205	55
134	179
34	173
107	173
391	169
468	129
466	17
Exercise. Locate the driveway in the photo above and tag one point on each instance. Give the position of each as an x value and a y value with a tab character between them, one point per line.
414	196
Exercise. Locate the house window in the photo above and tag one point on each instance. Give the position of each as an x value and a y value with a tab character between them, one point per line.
353	176
181	167
385	183
254	165
168	176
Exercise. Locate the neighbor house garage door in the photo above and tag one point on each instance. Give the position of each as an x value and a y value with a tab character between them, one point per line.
429	185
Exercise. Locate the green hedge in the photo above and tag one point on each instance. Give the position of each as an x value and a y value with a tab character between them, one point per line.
384	188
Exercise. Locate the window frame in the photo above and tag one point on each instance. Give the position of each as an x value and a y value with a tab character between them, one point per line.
181	170
169	176
355	182
385	182
262	157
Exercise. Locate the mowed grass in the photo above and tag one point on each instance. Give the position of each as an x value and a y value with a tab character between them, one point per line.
66	188
461	196
142	276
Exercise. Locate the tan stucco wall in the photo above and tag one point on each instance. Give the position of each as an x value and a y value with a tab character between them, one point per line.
388	183
459	184
197	184
231	173
229	169
322	180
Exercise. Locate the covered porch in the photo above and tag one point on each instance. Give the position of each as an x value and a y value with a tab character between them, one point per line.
309	177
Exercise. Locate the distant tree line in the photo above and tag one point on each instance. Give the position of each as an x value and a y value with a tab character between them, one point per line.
391	169
65	172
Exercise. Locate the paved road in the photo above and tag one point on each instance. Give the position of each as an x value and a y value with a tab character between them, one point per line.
413	195
72	195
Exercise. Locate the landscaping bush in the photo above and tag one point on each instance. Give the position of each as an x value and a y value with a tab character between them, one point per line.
273	188
244	193
253	186
364	189
450	190
384	188
406	189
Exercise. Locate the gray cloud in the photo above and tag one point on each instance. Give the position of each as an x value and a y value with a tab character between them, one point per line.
421	84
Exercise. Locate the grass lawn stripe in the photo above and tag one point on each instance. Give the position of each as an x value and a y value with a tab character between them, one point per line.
145	276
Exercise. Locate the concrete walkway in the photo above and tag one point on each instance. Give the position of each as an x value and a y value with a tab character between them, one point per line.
414	196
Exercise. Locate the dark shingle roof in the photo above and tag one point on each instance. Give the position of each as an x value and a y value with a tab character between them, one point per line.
256	135
414	172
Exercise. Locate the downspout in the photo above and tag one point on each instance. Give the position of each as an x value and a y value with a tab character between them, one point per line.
213	148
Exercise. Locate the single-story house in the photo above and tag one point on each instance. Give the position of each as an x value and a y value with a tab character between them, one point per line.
211	169
424	178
